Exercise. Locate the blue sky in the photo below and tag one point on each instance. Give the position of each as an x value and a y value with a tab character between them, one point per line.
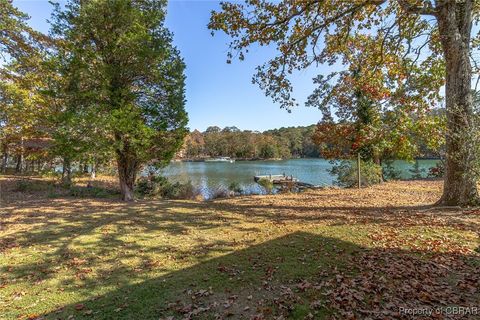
217	93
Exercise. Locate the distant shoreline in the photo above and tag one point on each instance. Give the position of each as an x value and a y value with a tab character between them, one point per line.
237	159
280	159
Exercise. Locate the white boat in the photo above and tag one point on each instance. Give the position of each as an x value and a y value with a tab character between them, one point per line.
220	159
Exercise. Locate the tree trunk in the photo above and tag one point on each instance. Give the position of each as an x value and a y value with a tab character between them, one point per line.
21	158
5	160
455	27
93	173
127	172
19	166
67	171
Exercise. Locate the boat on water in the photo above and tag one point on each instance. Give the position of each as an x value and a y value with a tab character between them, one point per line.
220	159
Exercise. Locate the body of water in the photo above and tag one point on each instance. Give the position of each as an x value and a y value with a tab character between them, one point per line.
209	176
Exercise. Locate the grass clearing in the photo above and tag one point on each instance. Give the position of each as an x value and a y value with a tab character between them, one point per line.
318	255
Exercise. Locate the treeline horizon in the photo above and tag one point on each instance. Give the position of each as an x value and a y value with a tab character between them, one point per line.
281	143
230	141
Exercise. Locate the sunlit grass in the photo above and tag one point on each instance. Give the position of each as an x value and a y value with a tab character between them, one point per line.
103	259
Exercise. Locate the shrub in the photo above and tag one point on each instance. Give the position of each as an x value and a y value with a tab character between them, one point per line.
151	186
416	172
389	171
438	171
22	186
50	173
179	190
79	174
52	194
218	193
346	173
90	192
235	187
158	186
27	185
267	184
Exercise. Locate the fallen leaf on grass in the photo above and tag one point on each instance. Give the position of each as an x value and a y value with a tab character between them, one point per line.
79	307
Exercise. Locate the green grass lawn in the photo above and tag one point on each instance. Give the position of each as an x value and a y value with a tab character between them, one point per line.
326	254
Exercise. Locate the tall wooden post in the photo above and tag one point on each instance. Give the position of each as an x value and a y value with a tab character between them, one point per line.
358	171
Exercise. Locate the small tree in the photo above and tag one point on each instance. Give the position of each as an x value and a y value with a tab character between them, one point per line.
416	171
390	172
347	173
267	184
121	66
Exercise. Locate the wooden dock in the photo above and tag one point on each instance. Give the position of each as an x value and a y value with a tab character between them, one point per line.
276	178
285	181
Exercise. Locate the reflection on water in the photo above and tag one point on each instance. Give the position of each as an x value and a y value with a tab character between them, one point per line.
208	176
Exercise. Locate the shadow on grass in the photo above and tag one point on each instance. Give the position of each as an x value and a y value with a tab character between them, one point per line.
298	276
14	189
392	216
291	276
61	222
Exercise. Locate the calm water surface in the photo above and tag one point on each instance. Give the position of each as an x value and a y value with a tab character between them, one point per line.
208	176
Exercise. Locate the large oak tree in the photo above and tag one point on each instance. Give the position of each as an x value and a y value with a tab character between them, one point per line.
412	40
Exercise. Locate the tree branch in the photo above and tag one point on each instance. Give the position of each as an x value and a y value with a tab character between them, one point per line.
426	9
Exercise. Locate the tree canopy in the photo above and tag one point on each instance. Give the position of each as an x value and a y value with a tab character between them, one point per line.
124	80
232	142
16	37
22	108
405	50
